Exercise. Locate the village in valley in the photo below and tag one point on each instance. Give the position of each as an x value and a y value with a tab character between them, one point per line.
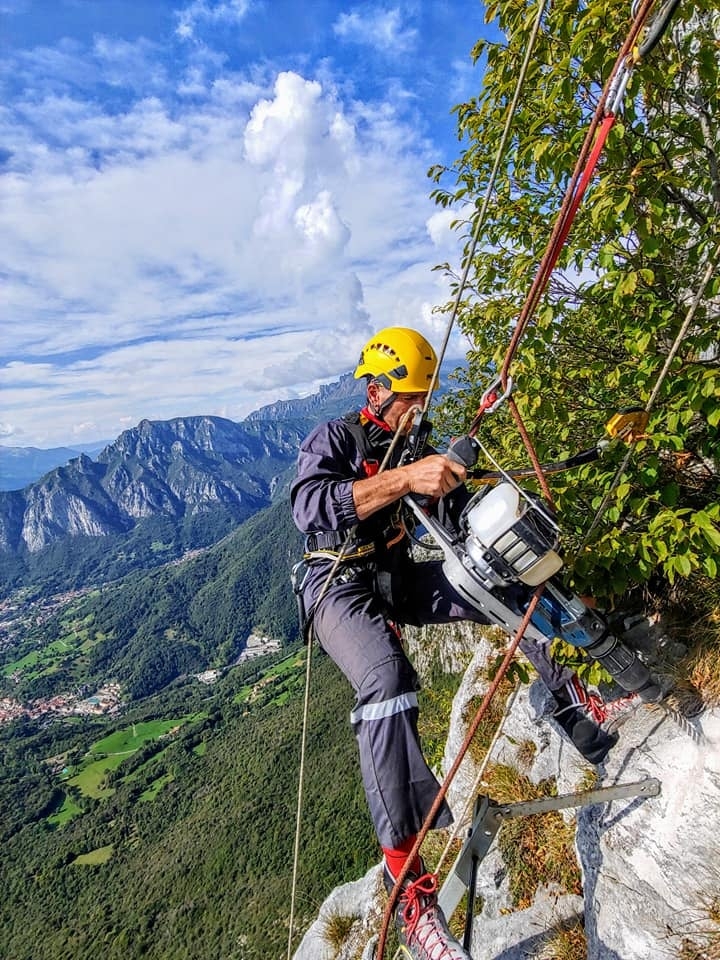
20	617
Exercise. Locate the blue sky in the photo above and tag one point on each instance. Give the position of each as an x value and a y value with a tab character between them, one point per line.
209	205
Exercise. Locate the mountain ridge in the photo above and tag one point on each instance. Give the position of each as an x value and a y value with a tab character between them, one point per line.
21	466
168	468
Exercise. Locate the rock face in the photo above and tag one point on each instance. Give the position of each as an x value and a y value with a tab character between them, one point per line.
332	399
650	867
358	903
651	870
172	468
650	881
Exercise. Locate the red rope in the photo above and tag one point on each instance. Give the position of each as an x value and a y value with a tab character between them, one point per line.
582	174
450	775
585	165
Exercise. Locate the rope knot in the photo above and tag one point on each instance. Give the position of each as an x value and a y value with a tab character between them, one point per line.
416	899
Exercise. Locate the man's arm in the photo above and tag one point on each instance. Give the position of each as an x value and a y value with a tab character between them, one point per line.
433	476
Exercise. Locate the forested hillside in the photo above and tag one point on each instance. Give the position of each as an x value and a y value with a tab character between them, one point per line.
184	851
147	629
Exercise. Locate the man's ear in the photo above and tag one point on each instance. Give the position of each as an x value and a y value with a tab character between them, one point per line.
374	395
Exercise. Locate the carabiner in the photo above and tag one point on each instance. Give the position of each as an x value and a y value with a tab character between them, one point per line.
490	401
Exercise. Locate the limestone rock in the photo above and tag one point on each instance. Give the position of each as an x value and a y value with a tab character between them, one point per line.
361	902
650	866
175	468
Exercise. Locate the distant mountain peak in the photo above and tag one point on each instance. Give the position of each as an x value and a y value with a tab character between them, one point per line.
330	400
167	468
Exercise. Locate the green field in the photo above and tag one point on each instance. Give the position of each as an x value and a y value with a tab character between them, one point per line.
130	739
273	687
67	811
94	857
69	651
107	754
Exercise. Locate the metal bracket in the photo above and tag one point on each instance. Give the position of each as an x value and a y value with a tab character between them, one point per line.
489	817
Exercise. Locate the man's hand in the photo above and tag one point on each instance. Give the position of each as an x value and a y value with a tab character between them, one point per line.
433	476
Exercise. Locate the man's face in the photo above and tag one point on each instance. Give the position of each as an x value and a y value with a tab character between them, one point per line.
401	403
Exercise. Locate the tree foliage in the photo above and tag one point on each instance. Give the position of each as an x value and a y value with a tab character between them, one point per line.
637	254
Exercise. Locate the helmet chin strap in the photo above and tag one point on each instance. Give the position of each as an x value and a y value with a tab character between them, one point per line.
378	411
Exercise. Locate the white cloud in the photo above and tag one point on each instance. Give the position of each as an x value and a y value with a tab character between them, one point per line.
204	11
134	65
378	27
321	226
439	228
203	255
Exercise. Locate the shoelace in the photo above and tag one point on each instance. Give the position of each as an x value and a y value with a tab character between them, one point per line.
596	708
620	705
429	936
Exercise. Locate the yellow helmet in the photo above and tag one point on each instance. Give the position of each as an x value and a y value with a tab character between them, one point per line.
400	359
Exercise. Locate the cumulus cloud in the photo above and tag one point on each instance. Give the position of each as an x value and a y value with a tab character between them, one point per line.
440	228
220	242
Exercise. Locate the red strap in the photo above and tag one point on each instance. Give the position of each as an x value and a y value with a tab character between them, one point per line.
369	415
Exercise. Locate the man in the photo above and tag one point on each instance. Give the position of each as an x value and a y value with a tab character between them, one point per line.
346	505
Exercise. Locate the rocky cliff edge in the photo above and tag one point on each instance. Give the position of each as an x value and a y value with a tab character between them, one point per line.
648	868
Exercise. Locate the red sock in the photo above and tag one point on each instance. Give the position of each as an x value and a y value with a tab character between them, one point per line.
395	857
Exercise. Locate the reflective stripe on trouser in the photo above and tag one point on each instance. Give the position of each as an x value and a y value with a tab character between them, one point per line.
351	627
399	786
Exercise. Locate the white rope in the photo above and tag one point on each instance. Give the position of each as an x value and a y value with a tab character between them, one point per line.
301	781
306	702
460	821
476	236
480	222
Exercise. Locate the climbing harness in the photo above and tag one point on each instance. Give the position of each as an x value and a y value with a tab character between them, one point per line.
504	557
308	634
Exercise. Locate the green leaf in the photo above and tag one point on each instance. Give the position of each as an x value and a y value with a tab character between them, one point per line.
670	494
